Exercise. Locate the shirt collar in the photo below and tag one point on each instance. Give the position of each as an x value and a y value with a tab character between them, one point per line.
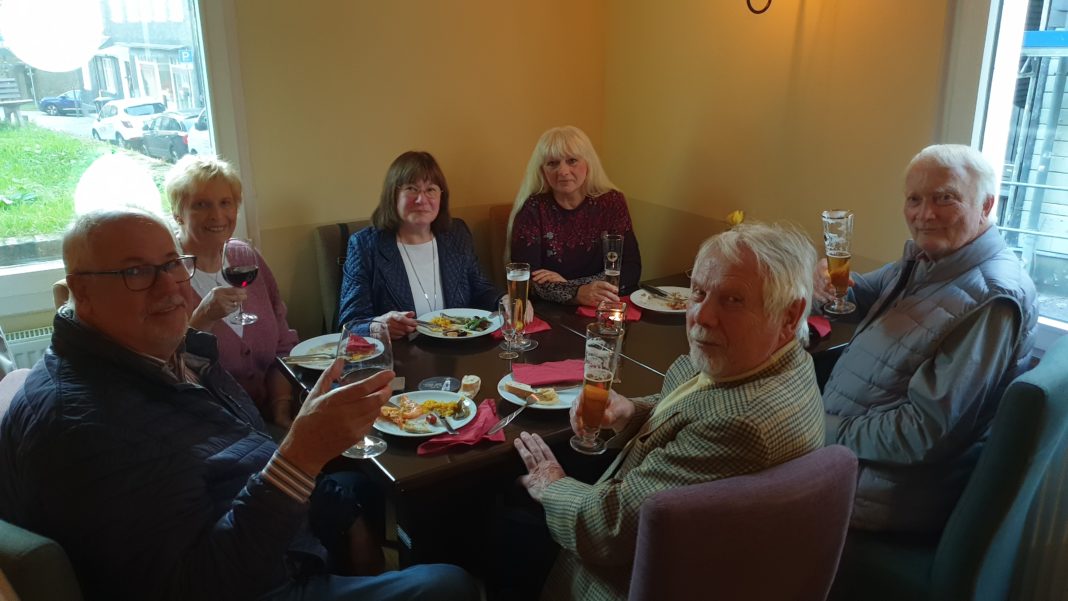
771	360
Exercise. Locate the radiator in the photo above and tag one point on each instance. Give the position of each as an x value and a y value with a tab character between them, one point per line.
27	346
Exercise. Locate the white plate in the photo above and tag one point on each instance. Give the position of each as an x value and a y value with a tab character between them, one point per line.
420	396
567	397
495	323
645	300
327	344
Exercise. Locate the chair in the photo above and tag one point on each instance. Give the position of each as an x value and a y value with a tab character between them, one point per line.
331	247
776	534
36	567
977	553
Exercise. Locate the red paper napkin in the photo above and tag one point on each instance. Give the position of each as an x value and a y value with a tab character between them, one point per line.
470	434
533	327
821	324
633	312
550	372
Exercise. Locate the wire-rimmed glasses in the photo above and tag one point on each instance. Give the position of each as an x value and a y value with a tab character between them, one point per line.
143	277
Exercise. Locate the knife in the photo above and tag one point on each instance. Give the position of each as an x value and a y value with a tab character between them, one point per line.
654	291
531	399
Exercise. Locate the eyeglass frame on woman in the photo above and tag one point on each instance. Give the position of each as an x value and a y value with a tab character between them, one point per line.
187	262
413	191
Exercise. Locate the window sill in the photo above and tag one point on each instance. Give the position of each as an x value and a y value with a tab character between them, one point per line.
28	288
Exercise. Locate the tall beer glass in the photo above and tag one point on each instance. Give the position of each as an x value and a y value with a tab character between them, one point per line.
518	293
613	258
603	344
837	241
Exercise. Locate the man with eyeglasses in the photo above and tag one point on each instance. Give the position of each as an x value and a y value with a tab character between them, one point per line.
147	462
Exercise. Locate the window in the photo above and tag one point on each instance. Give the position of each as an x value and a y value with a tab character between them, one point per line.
106	56
1021	125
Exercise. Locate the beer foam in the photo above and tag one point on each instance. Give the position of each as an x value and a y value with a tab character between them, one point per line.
518	276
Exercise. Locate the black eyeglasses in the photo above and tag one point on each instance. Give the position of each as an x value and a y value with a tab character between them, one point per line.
142	277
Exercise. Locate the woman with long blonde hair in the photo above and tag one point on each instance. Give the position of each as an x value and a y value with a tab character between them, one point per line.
564	207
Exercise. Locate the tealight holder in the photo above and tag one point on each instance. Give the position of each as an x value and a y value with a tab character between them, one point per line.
612	314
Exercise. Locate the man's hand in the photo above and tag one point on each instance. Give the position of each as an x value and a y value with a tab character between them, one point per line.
332	420
541	463
219	302
616	415
400	323
593	293
544	276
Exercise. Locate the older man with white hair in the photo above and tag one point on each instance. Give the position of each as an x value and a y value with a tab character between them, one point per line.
942	333
145	460
745	399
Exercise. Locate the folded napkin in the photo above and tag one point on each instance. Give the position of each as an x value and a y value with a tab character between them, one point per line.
470	434
633	312
550	372
821	324
533	327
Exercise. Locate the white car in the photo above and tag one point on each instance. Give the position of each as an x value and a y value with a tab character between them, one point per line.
121	122
200	136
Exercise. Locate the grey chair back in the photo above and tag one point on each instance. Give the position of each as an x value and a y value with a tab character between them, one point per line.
331	248
980	547
776	534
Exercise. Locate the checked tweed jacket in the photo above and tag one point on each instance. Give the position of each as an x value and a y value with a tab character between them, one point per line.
714	432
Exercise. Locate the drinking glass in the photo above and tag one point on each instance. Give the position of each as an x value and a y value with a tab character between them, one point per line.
361	363
602	357
240	268
837	241
613	257
518	294
504	309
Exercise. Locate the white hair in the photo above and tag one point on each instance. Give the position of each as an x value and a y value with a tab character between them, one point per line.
967	158
785	259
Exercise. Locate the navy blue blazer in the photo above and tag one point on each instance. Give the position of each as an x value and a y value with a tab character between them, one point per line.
376	281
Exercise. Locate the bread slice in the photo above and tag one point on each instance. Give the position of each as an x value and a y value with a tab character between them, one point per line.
519	389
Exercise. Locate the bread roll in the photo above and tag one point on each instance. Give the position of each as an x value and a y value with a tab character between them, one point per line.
519	389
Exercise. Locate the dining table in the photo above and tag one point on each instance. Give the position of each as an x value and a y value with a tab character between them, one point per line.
440	505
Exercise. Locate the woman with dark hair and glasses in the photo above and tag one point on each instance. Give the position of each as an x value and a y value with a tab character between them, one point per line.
205	193
414	258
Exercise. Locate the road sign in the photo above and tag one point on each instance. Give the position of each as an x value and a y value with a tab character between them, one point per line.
185	56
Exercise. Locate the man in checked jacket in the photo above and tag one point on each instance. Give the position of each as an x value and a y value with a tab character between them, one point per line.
744	400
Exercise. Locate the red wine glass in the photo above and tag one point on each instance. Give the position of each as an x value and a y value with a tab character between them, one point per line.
240	268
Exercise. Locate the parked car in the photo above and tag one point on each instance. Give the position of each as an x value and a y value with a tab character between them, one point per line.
200	136
69	102
166	136
121	121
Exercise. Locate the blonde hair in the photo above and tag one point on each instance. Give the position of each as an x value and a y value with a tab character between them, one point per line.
191	172
558	142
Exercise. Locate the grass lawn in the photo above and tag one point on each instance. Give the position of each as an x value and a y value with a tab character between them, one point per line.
39	170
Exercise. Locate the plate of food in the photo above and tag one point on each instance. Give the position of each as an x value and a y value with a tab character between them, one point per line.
562	396
458	323
406	414
362	348
674	303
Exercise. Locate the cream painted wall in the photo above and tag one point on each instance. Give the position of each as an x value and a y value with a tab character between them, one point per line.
815	104
335	90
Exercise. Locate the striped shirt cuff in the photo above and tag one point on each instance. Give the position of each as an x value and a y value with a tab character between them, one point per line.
288	478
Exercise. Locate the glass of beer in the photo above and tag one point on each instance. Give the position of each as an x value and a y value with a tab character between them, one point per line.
837	241
613	258
603	343
518	294
365	346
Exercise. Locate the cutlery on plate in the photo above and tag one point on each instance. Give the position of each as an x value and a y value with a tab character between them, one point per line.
312	357
436	418
654	291
531	399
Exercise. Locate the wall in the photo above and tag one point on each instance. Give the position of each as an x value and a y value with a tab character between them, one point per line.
815	104
337	89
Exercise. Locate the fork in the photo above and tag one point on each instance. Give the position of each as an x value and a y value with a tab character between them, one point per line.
531	399
444	421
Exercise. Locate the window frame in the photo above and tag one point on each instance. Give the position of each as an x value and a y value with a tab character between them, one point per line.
27	289
975	28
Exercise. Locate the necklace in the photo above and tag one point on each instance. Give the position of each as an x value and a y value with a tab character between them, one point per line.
433	265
